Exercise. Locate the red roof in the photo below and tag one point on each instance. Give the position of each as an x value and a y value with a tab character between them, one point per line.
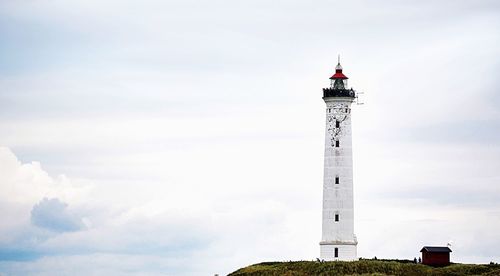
338	75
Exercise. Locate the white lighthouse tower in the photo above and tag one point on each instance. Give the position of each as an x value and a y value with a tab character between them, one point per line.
338	241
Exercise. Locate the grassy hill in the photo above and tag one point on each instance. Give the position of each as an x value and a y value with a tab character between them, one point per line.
364	267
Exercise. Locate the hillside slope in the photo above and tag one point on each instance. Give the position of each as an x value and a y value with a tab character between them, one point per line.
363	267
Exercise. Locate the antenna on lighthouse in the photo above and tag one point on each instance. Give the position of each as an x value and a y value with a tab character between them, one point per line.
359	101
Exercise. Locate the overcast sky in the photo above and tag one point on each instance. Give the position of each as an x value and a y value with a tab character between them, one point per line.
186	137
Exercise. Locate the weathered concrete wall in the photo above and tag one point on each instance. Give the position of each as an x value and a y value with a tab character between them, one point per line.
338	198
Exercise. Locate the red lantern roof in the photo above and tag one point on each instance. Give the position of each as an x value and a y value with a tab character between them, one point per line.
338	73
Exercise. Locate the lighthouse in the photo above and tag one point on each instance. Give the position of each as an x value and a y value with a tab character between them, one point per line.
338	241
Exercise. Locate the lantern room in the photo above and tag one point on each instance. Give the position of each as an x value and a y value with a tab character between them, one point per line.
338	85
338	81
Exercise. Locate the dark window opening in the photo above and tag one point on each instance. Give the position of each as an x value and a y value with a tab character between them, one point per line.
337	144
337	180
337	124
336	217
336	252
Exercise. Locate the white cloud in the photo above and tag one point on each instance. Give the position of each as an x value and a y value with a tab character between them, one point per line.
29	183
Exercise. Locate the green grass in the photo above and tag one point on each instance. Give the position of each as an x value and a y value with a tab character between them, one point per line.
364	267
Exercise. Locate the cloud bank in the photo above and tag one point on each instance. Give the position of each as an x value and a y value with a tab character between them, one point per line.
41	236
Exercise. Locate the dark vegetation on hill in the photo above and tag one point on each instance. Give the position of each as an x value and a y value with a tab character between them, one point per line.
365	267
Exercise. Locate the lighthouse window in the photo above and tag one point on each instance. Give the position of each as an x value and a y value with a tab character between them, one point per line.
337	144
336	217
337	124
337	180
336	252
